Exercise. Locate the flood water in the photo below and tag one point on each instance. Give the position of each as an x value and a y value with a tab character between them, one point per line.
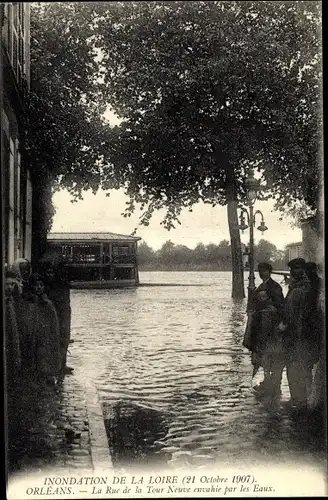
173	377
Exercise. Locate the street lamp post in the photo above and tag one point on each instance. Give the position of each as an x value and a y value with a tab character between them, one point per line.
252	188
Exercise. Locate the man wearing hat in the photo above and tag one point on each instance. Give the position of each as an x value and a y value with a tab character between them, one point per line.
273	288
293	329
315	320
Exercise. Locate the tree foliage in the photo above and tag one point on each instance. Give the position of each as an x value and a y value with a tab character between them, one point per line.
202	87
65	130
205	91
207	88
265	251
210	257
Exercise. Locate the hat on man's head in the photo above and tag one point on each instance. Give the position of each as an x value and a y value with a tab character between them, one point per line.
298	263
264	265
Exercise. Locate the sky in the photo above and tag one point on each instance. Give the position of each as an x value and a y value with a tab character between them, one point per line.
204	225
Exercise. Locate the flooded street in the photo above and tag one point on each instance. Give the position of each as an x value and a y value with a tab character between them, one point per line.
173	378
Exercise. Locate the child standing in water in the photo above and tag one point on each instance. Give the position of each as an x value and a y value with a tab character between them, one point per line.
265	345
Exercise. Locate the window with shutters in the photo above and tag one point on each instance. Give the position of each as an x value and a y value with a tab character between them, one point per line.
18	220
11	229
6	183
20	42
6	161
6	29
14	55
28	218
13	36
22	213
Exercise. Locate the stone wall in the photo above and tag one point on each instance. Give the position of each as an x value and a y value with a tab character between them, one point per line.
313	241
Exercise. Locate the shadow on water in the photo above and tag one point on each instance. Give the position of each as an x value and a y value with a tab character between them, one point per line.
133	433
305	431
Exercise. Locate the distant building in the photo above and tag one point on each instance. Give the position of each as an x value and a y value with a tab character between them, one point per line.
311	248
96	260
294	250
14	85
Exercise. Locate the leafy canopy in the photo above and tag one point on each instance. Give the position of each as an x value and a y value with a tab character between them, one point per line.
204	88
66	130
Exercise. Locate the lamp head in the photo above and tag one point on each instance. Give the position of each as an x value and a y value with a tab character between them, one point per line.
262	227
252	187
242	225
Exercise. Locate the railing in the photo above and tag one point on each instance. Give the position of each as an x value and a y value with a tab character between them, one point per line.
285	274
97	261
124	259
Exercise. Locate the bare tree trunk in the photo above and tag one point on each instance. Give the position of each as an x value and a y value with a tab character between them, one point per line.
225	161
238	290
42	214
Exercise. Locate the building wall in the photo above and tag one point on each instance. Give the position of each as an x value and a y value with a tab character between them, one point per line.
295	251
15	78
313	241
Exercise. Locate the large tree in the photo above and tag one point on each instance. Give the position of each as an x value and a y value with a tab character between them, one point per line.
205	90
265	251
65	128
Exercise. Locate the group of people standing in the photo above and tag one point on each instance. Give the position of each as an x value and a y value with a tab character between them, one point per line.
288	332
38	318
37	333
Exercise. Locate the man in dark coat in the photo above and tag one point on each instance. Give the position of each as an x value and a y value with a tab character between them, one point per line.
44	326
294	329
264	342
274	291
58	291
314	320
272	287
276	297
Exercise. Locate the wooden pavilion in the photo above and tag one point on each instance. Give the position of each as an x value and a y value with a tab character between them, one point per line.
97	260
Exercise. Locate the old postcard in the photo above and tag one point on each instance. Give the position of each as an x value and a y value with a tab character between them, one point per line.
161	177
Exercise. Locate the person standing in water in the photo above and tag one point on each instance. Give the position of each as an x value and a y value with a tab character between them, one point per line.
23	269
58	291
45	332
12	365
11	337
276	297
265	343
314	321
294	329
272	287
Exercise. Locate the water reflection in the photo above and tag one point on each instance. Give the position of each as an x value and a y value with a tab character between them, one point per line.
169	362
134	432
237	325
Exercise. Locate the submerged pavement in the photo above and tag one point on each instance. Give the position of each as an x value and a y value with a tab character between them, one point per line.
167	377
64	430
